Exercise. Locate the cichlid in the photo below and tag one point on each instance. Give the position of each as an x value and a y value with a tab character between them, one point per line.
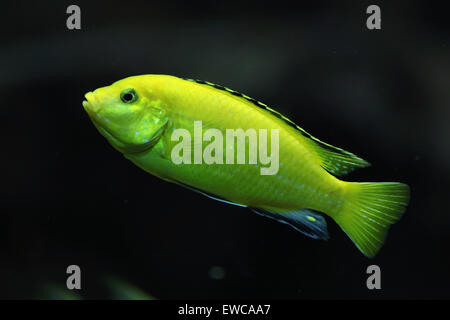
139	116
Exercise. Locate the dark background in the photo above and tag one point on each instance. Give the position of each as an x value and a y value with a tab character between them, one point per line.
67	197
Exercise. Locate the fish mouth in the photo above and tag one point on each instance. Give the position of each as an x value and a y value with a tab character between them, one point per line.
91	105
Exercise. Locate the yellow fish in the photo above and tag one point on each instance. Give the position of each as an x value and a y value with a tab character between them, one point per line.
151	119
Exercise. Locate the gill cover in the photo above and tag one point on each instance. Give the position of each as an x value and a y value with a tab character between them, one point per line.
128	117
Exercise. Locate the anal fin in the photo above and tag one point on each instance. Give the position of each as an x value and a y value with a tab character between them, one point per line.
306	221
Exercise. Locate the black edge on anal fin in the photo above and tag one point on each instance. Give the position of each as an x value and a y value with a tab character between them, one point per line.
305	221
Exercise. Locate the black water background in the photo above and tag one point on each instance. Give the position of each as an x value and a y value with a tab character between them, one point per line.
66	197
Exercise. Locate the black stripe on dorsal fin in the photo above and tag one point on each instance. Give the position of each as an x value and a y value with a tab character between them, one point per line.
236	93
335	160
257	103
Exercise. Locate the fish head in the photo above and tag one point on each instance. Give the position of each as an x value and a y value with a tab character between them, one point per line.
128	114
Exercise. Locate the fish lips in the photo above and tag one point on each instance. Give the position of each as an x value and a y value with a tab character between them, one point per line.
91	104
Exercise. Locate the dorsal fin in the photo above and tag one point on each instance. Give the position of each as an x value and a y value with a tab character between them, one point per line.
338	162
333	159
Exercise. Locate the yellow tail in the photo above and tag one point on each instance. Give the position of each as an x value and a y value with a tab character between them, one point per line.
368	211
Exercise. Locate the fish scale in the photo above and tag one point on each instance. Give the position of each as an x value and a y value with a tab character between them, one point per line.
239	115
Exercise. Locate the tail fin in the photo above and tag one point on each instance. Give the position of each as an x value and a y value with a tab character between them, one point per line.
368	211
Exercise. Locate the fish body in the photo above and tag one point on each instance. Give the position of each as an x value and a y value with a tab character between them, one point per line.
141	115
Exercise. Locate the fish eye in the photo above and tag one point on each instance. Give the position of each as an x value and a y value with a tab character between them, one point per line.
128	96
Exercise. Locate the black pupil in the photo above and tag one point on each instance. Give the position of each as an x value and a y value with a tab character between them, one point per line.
128	96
